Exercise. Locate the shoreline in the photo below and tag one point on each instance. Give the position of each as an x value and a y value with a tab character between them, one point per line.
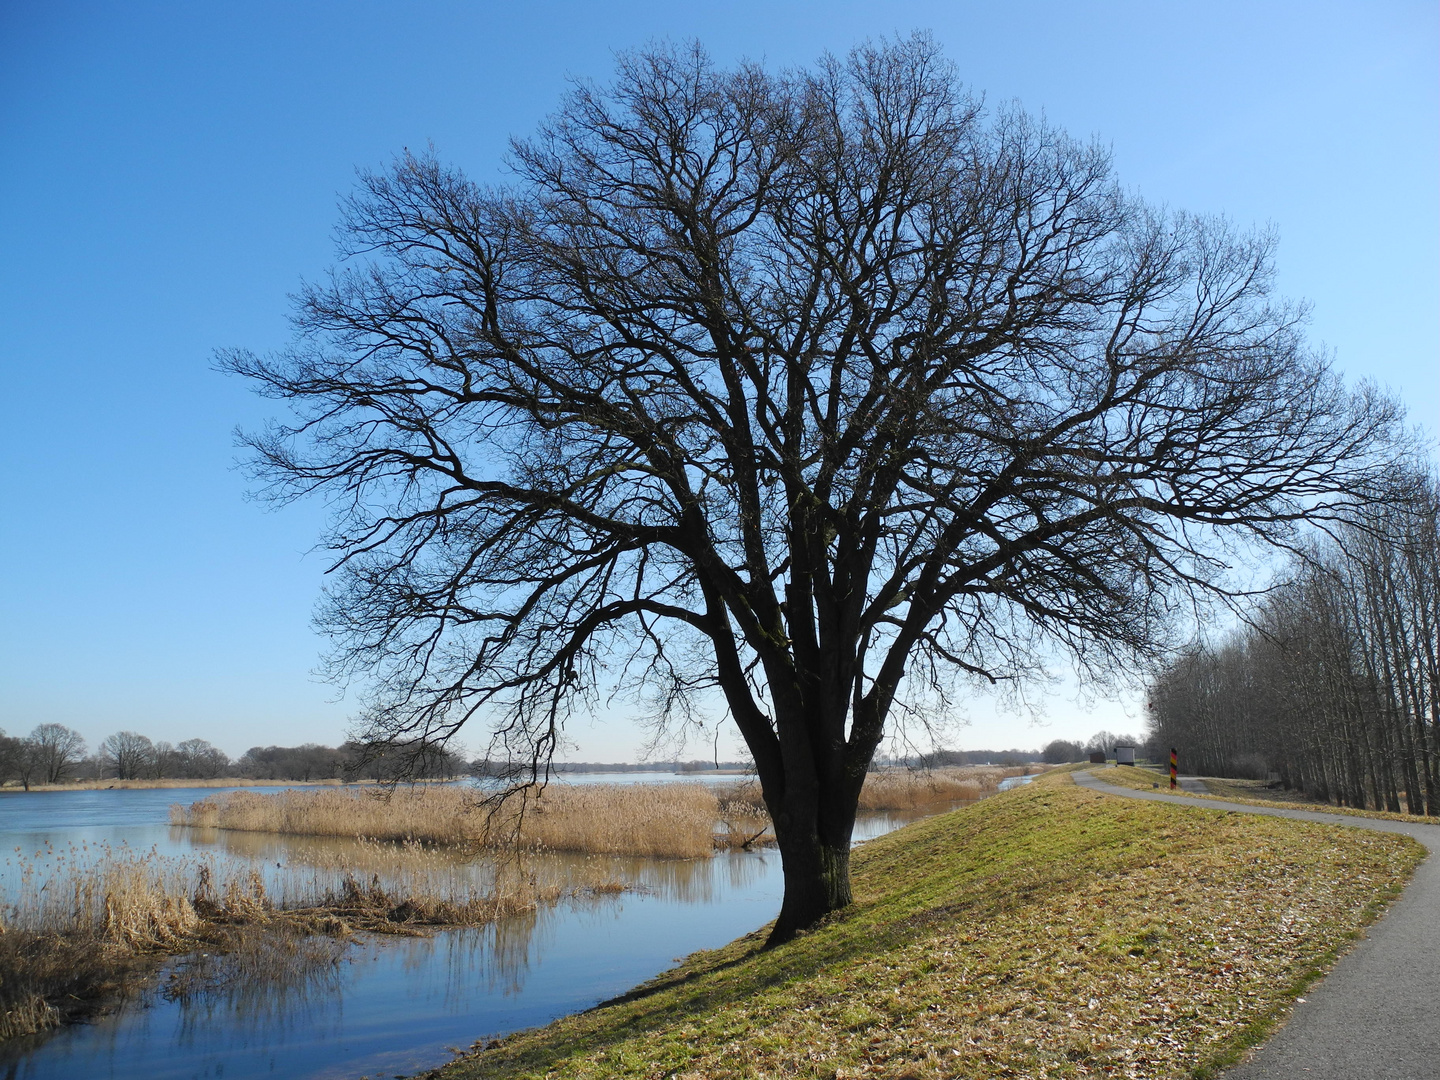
222	782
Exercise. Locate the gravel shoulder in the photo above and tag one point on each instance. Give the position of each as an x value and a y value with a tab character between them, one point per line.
1375	1016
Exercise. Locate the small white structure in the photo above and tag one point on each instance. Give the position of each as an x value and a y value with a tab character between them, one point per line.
1124	755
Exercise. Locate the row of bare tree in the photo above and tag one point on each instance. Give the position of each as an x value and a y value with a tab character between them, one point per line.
53	753
1335	683
1060	751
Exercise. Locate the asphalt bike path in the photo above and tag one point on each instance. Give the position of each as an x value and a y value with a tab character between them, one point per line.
1376	1016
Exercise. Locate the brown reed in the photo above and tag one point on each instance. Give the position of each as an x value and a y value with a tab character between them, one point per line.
660	821
78	922
918	789
680	820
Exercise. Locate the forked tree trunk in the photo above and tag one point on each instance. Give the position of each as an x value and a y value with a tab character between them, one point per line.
814	841
817	882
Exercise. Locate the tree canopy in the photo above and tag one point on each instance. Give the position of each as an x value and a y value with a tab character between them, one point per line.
809	388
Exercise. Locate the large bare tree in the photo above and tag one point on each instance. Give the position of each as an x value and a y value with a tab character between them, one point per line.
128	754
54	750
807	389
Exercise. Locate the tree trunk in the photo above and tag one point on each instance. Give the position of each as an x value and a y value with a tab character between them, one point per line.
816	865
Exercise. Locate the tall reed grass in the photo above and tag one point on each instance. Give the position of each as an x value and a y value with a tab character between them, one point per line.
660	821
905	789
76	922
681	820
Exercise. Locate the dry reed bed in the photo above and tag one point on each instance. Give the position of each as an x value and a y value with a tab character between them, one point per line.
663	821
680	820
901	789
77	923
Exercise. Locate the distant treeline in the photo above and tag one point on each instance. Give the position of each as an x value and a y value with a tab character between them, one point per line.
651	766
939	759
1335	684
54	754
1063	751
1056	752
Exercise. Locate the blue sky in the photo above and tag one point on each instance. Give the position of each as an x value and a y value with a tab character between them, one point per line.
171	172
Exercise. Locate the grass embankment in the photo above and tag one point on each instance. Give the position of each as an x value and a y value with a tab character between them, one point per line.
681	820
1048	932
1251	792
80	923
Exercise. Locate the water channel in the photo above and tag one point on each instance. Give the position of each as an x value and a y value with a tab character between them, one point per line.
387	1005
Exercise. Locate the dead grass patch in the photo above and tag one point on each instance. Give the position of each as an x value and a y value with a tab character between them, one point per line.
906	789
680	820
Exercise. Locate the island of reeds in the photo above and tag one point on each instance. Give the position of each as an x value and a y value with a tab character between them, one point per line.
678	820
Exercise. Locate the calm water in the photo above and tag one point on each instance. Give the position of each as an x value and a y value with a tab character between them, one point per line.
388	1005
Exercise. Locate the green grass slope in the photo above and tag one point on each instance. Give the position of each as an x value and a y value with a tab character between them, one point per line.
1047	932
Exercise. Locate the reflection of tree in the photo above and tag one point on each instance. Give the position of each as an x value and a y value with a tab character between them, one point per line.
497	956
680	880
266	983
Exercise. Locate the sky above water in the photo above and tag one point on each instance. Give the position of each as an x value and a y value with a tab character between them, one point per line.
169	173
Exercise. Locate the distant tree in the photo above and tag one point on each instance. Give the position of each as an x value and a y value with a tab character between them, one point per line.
1333	683
18	760
128	755
1061	751
1102	742
941	758
308	761
90	767
56	750
820	390
12	752
385	763
165	761
198	760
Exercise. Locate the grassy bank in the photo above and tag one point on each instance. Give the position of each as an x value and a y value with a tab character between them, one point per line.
1048	932
681	820
1253	792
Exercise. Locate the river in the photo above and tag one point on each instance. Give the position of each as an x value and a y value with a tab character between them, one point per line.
387	1005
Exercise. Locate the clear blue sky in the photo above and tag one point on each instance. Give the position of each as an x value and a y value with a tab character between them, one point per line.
171	171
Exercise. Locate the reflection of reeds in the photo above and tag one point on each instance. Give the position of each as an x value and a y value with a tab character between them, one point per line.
257	967
76	922
657	820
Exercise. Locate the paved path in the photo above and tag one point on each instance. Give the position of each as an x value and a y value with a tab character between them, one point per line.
1376	1016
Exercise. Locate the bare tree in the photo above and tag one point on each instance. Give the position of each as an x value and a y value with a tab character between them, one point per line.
128	755
164	760
1331	682
1060	751
816	389
197	759
54	750
13	752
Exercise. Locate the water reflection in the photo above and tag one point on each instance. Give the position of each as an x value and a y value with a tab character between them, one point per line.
678	880
388	1005
393	1005
264	982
